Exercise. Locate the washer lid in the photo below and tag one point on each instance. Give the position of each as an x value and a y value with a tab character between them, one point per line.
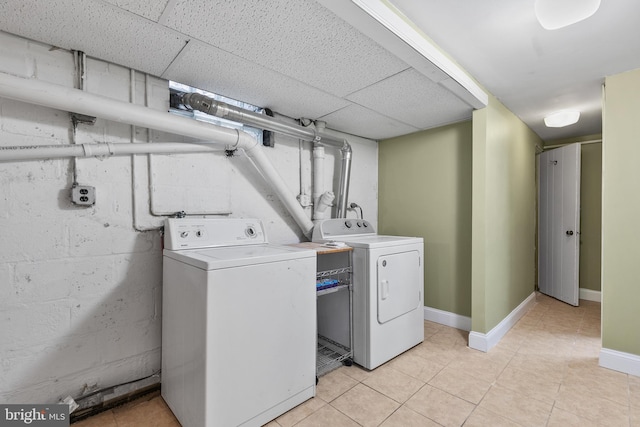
238	256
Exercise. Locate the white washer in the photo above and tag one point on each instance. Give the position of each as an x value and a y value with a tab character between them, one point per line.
238	323
388	279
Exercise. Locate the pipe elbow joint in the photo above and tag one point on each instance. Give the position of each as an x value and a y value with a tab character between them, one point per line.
324	202
245	142
346	149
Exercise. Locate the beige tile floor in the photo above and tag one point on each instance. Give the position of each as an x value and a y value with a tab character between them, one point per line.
544	372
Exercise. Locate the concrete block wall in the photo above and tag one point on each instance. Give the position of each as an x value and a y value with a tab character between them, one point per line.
80	288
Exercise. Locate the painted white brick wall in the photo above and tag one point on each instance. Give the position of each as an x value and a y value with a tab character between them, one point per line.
80	288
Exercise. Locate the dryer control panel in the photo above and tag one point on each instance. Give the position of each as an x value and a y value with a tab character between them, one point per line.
339	227
195	233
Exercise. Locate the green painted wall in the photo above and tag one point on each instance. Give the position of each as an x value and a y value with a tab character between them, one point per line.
590	216
425	190
504	217
621	213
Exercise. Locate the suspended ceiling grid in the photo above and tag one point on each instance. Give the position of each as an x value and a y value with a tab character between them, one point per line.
297	58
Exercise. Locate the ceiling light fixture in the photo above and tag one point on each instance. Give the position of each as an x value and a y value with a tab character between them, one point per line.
561	119
554	14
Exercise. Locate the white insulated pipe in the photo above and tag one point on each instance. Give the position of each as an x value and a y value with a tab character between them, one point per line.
318	172
324	203
65	98
321	200
270	174
306	192
45	152
69	99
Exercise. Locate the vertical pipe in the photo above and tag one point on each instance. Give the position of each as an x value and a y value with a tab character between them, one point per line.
318	172
343	186
134	199
306	198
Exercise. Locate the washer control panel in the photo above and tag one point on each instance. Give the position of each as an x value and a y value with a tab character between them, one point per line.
332	228
194	233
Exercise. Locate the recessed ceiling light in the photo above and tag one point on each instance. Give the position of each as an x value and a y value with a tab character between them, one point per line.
561	119
554	14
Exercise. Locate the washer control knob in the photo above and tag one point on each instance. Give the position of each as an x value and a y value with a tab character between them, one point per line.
184	234
365	224
348	224
251	232
359	224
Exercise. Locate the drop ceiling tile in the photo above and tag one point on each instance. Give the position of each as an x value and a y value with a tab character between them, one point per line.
148	9
209	68
100	30
414	99
300	39
360	121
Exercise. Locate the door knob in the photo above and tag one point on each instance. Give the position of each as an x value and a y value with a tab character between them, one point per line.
570	233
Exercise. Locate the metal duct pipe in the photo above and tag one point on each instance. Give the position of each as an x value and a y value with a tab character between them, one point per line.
208	105
68	99
343	186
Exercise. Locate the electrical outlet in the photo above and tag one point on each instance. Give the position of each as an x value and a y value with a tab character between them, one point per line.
83	195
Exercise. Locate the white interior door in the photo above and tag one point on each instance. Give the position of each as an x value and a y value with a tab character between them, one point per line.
559	223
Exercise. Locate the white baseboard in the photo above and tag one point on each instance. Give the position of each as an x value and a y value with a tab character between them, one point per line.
589	295
484	342
620	361
447	318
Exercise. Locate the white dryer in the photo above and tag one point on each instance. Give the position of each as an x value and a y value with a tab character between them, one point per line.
388	289
238	323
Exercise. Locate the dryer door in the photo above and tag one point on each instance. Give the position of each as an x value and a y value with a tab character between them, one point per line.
398	284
